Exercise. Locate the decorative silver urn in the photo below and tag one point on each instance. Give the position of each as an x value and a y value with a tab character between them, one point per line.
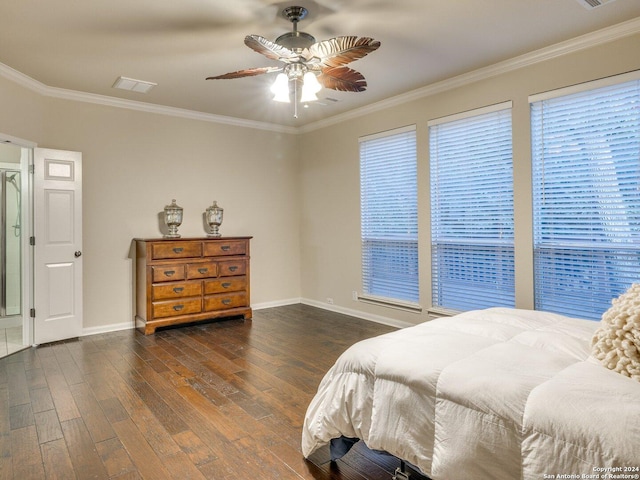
173	219
214	219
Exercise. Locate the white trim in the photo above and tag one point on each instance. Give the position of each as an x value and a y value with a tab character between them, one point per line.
442	312
387	133
583	87
275	303
393	322
74	95
599	37
498	107
412	307
114	327
18	142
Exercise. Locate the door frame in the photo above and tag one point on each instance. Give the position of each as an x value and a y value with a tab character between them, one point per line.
26	167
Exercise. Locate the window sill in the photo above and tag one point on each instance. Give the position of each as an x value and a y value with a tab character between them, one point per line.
391	303
442	312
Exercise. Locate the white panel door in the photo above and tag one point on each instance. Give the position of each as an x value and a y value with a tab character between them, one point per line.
58	245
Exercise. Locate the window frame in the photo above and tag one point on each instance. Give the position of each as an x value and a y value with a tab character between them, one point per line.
572	247
500	245
380	231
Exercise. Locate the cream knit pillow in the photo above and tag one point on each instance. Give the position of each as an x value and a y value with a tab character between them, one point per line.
616	343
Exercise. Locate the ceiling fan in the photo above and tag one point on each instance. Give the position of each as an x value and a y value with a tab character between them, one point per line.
308	65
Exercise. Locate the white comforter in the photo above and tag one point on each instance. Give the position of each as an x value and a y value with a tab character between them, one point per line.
490	394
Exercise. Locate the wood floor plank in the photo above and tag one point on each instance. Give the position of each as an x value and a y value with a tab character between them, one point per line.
60	392
199	453
94	418
17	383
35	378
221	400
180	467
21	416
82	450
143	456
6	469
48	426
57	463
41	400
26	459
115	458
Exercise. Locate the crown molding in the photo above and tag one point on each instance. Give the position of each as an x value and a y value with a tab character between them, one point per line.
74	95
599	37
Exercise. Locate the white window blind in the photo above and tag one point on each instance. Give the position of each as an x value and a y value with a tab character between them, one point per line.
389	215
586	187
472	210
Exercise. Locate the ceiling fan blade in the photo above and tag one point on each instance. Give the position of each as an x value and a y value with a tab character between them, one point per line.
249	72
342	50
343	79
269	49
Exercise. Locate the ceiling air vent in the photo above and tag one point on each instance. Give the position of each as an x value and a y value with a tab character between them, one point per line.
591	4
133	85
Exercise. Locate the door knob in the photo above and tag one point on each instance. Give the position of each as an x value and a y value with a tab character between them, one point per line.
77	254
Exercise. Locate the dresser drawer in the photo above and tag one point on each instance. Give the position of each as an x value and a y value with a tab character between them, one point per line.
232	267
176	290
231	247
231	284
174	308
223	301
202	270
165	250
167	273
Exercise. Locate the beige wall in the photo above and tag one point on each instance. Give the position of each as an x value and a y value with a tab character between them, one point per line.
134	163
298	196
330	175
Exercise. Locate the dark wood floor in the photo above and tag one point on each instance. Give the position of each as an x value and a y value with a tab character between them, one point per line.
222	400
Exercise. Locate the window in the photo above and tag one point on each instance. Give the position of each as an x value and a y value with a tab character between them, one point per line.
472	210
389	215
586	197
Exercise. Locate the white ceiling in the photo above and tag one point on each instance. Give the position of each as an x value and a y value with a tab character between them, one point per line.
86	45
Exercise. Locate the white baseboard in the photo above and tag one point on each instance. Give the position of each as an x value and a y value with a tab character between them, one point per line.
115	327
276	303
393	322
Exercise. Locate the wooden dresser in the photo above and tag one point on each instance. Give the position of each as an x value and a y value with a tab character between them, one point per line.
185	280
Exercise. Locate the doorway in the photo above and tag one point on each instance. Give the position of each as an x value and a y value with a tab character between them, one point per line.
13	186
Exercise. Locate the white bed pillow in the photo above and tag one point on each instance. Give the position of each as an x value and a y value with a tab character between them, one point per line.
616	342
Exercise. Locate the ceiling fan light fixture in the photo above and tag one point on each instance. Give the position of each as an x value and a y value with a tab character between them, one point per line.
280	88
309	65
310	87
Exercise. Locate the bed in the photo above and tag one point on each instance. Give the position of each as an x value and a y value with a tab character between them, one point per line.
490	394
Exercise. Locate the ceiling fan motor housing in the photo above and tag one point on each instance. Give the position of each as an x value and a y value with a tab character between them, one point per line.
295	40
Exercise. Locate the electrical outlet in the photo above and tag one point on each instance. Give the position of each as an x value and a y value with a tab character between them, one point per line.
354	295
330	300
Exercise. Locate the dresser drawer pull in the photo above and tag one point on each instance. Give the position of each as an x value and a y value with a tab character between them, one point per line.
178	249
233	268
226	301
177	308
169	273
225	248
226	284
203	270
178	289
